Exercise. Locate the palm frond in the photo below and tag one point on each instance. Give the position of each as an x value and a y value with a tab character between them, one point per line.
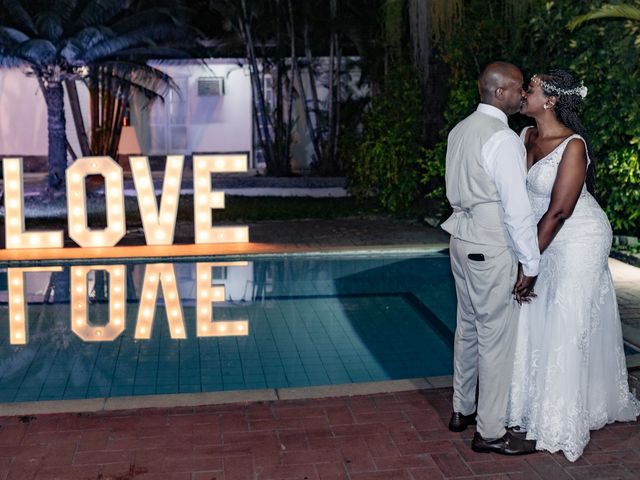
121	77
11	36
91	36
145	17
37	51
65	9
19	15
49	25
146	36
109	48
97	12
9	58
72	53
154	53
629	12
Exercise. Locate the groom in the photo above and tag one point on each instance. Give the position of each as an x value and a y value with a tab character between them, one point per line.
492	229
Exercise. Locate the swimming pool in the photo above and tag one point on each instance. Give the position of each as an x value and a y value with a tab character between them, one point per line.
119	329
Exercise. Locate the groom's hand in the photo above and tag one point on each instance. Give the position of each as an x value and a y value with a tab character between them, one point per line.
523	289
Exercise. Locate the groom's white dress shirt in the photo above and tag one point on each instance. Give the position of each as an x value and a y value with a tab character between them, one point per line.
504	159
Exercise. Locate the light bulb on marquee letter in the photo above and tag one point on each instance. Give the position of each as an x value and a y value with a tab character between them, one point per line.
205	200
77	204
206	295
15	235
79	307
18	313
159	227
163	273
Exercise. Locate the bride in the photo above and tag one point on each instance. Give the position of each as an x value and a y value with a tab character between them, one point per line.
569	372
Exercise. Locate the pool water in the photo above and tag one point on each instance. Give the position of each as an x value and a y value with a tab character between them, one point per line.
286	321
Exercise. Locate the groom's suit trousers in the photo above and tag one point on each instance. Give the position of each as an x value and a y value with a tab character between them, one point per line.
484	343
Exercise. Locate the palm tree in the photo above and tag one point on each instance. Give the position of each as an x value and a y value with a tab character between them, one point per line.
104	43
626	11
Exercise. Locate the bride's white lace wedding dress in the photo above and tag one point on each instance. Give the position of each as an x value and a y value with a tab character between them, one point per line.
569	371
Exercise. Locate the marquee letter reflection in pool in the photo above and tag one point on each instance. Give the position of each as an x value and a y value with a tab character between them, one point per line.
80	323
165	275
206	295
155	275
18	313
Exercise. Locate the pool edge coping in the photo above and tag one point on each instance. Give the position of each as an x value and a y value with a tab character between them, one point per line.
193	252
108	404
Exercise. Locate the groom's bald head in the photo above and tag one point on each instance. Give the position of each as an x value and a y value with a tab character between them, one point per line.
500	85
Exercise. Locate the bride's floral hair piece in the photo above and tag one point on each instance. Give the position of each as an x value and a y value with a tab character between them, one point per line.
579	90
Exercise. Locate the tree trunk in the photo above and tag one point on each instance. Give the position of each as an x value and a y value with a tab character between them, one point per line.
294	67
335	167
54	98
78	120
260	109
317	129
281	138
329	160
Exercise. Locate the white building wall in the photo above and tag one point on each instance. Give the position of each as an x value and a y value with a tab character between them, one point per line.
191	123
211	123
185	123
23	115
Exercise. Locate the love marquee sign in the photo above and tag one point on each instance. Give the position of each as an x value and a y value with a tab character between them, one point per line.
158	221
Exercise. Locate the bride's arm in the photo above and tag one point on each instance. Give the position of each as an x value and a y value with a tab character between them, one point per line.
572	172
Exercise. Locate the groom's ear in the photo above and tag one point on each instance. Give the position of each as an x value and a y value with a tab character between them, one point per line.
498	92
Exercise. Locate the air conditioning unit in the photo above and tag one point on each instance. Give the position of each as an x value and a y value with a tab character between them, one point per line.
210	86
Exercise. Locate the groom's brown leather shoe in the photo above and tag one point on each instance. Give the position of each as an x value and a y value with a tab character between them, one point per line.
460	422
508	444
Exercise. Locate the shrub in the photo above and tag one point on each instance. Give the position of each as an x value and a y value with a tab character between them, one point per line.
384	167
620	184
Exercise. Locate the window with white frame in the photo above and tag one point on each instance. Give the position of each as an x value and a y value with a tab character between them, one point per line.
169	121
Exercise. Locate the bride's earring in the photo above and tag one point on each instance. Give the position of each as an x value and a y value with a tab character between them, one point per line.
546	106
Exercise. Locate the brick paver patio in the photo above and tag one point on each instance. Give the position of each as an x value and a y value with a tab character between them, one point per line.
383	436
